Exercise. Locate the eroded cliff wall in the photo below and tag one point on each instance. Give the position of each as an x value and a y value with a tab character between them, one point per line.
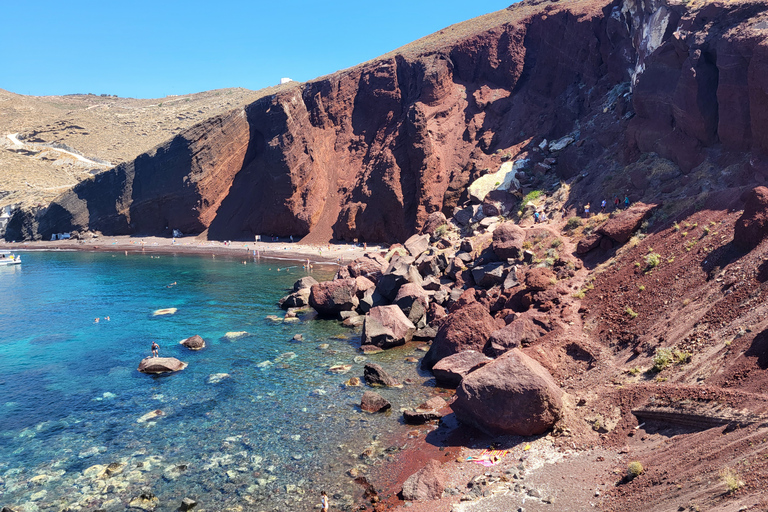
370	152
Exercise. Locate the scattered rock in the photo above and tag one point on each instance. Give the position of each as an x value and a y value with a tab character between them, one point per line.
417	244
374	402
330	298
187	504
508	239
386	327
375	375
216	378
466	328
193	342
450	370
434	221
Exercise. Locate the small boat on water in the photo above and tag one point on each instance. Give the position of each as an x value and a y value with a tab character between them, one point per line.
9	259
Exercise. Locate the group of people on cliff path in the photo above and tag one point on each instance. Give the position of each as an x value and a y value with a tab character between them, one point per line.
604	205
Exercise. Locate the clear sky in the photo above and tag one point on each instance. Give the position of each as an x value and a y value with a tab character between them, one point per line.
150	49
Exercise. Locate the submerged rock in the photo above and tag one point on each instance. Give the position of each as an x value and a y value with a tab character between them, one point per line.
375	375
157	365
374	402
217	378
165	311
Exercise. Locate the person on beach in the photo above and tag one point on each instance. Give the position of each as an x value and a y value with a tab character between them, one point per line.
324	501
155	349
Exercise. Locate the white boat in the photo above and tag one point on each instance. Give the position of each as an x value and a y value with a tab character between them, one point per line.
9	259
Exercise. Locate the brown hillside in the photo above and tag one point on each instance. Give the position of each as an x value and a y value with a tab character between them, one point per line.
104	128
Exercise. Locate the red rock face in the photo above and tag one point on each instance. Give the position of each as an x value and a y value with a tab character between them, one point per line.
371	152
752	226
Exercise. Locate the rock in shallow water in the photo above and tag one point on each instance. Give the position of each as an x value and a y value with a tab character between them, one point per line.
156	365
193	342
374	402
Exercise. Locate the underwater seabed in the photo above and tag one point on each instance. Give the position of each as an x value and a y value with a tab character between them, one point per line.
254	421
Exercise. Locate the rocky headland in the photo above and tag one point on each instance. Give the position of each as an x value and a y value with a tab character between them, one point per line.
625	344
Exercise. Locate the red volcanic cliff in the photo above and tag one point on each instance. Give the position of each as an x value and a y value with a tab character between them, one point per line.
371	151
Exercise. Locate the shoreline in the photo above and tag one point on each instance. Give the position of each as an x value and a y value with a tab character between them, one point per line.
316	254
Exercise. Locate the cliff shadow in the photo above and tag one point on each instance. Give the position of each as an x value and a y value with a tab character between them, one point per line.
163	195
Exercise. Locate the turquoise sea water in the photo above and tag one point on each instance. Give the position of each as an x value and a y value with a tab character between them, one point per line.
268	435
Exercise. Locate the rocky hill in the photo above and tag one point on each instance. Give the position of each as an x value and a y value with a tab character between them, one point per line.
49	144
631	339
371	151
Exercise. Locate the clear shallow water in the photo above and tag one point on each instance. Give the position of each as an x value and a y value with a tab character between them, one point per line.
269	435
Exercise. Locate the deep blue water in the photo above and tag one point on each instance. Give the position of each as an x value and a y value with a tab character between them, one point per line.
269	435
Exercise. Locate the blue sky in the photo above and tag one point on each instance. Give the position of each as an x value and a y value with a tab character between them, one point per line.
150	49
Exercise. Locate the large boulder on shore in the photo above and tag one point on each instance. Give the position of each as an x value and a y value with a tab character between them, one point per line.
450	370
508	239
414	301
752	226
305	282
426	484
330	298
370	266
466	328
512	395
621	227
156	365
387	327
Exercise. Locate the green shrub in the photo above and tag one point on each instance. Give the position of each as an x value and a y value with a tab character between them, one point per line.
630	312
531	196
556	243
662	359
634	469
682	356
652	260
441	230
573	223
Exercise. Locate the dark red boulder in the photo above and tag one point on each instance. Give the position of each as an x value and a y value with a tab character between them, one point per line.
508	239
330	298
752	226
467	328
621	227
512	395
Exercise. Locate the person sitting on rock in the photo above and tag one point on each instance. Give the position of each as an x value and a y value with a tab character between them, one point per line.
155	349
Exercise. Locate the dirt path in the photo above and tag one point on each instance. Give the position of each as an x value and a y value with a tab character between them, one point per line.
13	137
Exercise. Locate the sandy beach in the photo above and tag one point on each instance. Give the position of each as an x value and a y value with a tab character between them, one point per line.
316	254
